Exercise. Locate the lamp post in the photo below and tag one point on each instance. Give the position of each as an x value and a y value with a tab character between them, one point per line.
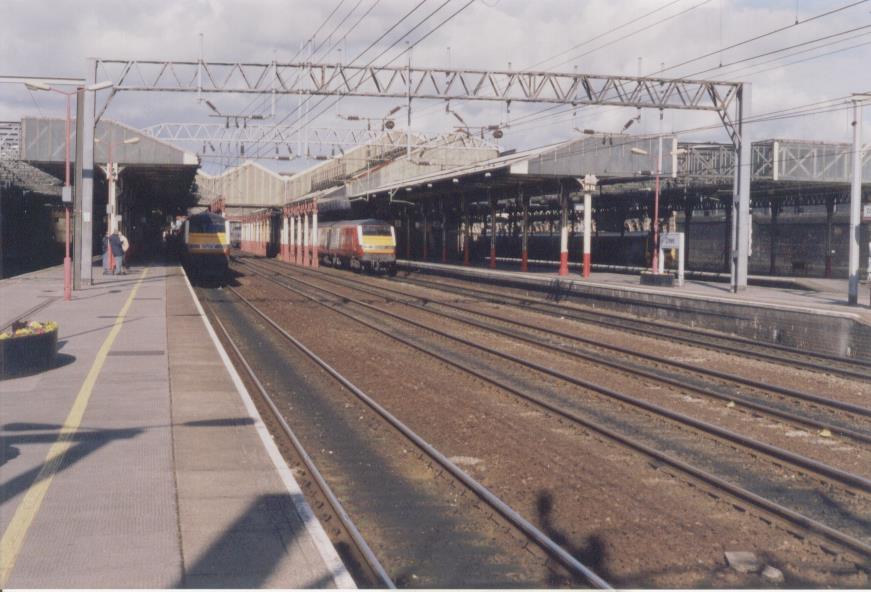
656	206
112	177
66	195
855	201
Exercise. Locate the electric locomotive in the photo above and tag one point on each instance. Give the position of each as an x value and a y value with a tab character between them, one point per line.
206	247
368	245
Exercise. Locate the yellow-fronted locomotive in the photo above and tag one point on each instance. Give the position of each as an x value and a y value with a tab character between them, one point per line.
206	249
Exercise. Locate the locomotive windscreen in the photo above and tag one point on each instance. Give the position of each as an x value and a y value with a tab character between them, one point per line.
377	230
207	224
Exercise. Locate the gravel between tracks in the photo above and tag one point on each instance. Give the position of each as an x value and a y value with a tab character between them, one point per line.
636	524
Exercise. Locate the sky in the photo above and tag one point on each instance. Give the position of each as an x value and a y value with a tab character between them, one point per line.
827	62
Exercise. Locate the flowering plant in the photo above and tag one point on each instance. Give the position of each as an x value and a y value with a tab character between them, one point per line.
25	328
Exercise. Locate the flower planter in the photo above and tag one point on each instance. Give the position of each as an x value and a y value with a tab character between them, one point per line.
28	353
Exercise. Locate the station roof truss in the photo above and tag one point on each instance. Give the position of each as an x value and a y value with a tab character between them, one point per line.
14	172
43	140
623	162
782	160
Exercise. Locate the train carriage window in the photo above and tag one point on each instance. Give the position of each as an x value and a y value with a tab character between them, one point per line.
376	230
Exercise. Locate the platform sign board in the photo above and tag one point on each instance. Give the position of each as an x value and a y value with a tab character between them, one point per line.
866	213
670	240
67	194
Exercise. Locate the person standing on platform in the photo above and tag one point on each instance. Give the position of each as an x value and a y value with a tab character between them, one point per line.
106	267
117	252
125	246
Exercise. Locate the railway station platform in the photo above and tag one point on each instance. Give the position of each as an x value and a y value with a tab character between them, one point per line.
806	313
139	460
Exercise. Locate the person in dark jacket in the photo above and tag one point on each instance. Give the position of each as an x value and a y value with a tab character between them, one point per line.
117	252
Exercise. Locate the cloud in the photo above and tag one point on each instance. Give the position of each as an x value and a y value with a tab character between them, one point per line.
48	37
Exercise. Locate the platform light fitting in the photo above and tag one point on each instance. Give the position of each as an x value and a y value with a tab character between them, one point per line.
456	181
100	85
36	85
638	151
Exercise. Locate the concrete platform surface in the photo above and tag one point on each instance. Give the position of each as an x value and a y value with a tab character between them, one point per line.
139	460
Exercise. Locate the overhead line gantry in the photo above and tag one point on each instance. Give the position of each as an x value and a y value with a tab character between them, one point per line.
730	100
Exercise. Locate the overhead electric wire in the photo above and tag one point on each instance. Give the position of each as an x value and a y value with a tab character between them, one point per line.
774	51
605	34
359	55
774	31
442	23
738	72
628	35
330	35
762	36
343	37
600	35
310	38
816	40
744	60
624	37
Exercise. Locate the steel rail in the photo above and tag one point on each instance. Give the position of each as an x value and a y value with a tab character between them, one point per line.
784	391
778	511
553	549
369	557
849	480
804	421
631	325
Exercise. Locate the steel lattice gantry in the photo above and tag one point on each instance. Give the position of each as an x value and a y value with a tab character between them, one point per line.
728	99
276	136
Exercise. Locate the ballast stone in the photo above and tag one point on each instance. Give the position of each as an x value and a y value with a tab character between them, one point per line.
772	574
743	561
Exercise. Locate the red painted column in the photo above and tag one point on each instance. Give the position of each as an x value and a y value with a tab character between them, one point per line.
291	239
305	239
588	232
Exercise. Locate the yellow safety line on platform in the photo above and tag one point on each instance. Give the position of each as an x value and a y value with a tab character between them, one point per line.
13	538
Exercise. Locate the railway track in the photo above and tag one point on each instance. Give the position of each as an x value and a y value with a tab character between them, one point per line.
826	364
562	567
851	539
737	394
364	566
